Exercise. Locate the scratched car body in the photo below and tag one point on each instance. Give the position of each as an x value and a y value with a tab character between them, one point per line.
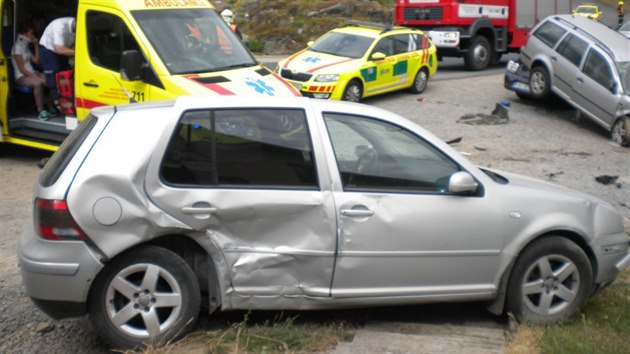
362	59
251	203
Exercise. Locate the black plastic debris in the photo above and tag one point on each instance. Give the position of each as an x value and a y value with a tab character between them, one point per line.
606	179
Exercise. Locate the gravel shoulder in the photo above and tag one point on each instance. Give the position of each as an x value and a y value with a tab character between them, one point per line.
543	140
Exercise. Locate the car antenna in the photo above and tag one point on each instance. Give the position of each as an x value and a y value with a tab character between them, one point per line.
130	96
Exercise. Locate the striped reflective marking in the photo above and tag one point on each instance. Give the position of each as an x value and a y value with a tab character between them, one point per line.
213	87
331	64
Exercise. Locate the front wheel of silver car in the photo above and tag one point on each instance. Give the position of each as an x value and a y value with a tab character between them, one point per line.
620	132
539	82
420	81
147	296
550	281
353	92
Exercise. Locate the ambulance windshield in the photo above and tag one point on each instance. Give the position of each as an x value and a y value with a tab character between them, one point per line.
193	40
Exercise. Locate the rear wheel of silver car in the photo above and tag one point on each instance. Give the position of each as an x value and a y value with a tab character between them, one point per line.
479	54
620	132
353	92
147	296
420	82
550	281
539	82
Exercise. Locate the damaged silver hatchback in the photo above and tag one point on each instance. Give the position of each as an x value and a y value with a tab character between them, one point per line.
149	212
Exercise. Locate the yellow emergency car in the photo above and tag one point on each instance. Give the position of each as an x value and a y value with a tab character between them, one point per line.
128	51
361	60
589	11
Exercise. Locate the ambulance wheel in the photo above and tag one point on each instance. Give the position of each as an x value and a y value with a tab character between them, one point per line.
353	92
420	82
479	54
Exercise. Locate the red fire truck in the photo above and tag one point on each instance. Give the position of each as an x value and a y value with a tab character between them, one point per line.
480	31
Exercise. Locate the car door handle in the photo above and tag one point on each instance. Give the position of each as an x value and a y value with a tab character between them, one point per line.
355	213
90	84
198	210
580	79
554	58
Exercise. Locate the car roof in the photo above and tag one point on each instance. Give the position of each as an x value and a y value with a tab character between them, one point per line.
597	32
371	29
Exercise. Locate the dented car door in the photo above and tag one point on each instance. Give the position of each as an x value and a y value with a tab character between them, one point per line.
247	179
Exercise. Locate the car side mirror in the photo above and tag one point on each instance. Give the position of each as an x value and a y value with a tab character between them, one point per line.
131	65
462	183
378	56
612	86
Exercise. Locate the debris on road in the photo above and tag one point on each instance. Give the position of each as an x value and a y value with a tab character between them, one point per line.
455	141
480	147
499	116
553	175
606	179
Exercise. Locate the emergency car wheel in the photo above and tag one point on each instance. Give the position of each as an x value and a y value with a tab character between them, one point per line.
420	82
479	54
353	92
539	82
144	297
620	132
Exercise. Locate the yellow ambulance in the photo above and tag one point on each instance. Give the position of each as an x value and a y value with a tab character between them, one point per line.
128	51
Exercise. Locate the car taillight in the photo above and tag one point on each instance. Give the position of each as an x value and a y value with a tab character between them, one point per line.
54	222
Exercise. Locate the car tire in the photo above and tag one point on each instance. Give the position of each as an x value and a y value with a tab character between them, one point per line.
479	54
148	296
550	281
420	81
620	132
539	82
353	92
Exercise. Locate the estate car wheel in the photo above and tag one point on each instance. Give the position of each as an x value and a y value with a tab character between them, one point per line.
479	54
353	92
539	82
420	82
551	280
147	296
620	132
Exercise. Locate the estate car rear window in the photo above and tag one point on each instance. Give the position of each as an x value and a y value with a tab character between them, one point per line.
246	148
549	33
58	162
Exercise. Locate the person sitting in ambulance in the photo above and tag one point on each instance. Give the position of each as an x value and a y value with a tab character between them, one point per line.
25	75
57	47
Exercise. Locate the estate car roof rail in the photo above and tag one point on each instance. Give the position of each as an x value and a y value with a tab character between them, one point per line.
584	33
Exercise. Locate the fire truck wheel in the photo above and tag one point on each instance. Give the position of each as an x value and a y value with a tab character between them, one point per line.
479	54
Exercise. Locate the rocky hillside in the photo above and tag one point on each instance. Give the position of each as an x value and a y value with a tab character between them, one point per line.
285	26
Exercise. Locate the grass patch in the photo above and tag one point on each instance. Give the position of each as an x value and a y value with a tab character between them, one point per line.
280	334
602	327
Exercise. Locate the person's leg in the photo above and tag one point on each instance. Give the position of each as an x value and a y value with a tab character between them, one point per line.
50	66
36	84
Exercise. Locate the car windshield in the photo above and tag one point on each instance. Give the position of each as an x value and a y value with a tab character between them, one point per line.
587	10
343	45
624	73
193	40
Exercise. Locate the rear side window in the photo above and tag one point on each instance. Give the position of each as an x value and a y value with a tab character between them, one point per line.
247	148
573	48
549	33
60	159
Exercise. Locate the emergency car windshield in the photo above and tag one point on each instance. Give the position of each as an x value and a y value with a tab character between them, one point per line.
343	45
193	40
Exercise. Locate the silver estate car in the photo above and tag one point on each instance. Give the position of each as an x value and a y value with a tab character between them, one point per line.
585	63
148	212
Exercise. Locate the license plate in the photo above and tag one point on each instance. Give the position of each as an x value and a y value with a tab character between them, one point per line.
521	86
